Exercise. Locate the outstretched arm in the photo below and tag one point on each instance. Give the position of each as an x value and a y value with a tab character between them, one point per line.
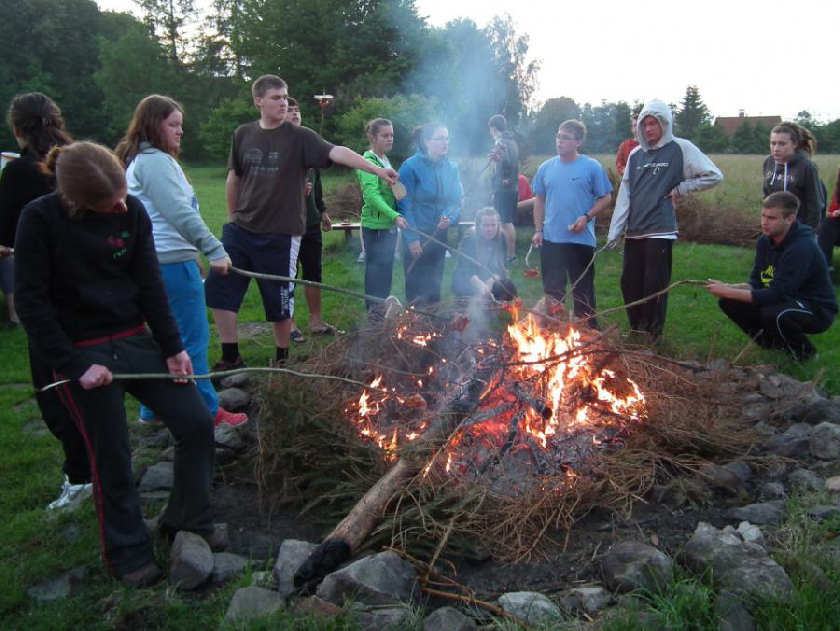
349	158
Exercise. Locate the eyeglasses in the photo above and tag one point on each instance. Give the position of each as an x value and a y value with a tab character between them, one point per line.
441	139
565	137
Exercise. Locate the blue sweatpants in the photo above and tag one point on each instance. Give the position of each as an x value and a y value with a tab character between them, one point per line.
186	299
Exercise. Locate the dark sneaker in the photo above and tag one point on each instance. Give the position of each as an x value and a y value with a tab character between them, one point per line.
147	575
297	336
222	365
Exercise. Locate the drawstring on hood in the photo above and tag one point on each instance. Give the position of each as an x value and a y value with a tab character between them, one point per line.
661	112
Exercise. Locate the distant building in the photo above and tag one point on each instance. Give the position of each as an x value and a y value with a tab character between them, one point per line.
731	123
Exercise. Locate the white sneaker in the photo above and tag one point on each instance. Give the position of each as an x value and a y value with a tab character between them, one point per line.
362	257
72	495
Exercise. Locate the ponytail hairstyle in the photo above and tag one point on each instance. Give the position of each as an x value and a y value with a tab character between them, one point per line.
145	126
373	126
802	137
36	119
85	173
423	133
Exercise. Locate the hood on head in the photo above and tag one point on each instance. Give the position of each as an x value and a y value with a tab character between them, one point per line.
659	110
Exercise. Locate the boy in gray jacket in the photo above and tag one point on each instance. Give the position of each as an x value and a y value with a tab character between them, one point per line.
659	171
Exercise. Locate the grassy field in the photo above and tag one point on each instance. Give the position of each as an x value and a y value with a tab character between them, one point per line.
35	545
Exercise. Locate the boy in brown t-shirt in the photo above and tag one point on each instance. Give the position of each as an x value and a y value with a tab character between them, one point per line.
265	203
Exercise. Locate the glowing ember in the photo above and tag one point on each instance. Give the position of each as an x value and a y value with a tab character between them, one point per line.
555	399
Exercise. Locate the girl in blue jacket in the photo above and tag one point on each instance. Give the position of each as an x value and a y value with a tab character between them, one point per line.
433	204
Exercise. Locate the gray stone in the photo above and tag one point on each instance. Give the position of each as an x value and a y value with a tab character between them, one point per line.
316	608
158	477
381	579
168	454
794	443
631	565
766	513
35	427
290	557
233	399
833	484
263	579
532	607
731	613
722	478
734	564
741	469
58	587
191	561
751	533
821	411
252	602
804	569
448	619
590	599
823	511
158	440
240	380
763	428
227	566
228	437
825	441
391	618
772	491
808	480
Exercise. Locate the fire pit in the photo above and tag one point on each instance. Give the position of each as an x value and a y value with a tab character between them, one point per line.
551	398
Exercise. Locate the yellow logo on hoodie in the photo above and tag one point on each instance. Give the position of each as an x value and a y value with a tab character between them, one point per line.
766	275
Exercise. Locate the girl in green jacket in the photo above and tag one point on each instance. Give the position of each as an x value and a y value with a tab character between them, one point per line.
380	218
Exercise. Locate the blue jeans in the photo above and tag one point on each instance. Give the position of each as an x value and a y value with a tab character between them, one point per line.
186	299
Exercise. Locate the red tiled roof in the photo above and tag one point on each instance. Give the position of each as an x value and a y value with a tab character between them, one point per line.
731	123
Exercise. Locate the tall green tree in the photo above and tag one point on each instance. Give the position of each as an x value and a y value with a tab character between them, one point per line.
692	114
167	21
547	120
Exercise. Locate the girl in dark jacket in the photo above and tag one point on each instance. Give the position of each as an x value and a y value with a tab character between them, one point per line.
486	278
88	285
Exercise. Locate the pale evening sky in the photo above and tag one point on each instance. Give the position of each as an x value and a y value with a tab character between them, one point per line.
765	57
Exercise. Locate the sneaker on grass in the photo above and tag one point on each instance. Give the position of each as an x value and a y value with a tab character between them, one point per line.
72	495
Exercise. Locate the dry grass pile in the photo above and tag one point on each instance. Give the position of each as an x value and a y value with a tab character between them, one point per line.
311	453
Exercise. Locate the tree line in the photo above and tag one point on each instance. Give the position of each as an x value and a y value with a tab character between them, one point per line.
377	57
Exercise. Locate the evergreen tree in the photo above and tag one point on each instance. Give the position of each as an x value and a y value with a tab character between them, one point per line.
166	20
692	114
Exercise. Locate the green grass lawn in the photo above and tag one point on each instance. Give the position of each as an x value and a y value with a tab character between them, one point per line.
35	545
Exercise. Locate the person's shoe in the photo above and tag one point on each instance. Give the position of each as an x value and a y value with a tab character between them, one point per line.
222	365
231	418
362	257
145	576
297	336
72	495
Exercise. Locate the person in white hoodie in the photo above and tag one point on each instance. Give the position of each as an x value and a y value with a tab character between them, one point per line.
149	150
659	171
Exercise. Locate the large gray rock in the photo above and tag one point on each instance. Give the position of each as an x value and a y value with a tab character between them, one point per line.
228	437
448	619
233	399
290	557
825	441
766	513
381	579
252	602
723	478
794	443
731	613
833	484
158	477
751	533
58	587
227	566
741	469
191	561
808	480
772	491
734	564
631	565
820	411
532	607
823	511
590	600
240	380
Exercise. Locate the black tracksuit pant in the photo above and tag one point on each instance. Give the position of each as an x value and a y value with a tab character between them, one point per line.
782	325
647	270
100	416
423	277
564	263
59	422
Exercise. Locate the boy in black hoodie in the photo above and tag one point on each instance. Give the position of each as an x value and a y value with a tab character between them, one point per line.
789	292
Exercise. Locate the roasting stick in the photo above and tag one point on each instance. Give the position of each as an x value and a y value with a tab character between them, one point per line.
227	373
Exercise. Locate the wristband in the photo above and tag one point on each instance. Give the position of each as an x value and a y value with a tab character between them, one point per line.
536	231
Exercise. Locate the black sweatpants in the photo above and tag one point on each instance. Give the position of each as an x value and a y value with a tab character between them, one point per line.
647	270
423	281
562	264
100	416
782	325
379	262
829	236
59	422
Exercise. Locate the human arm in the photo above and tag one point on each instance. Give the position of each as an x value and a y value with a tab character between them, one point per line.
621	157
601	203
699	172
405	206
179	364
621	212
349	158
742	292
231	193
539	220
20	183
163	182
813	202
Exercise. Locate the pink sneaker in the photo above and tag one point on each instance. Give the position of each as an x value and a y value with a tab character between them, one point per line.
231	418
